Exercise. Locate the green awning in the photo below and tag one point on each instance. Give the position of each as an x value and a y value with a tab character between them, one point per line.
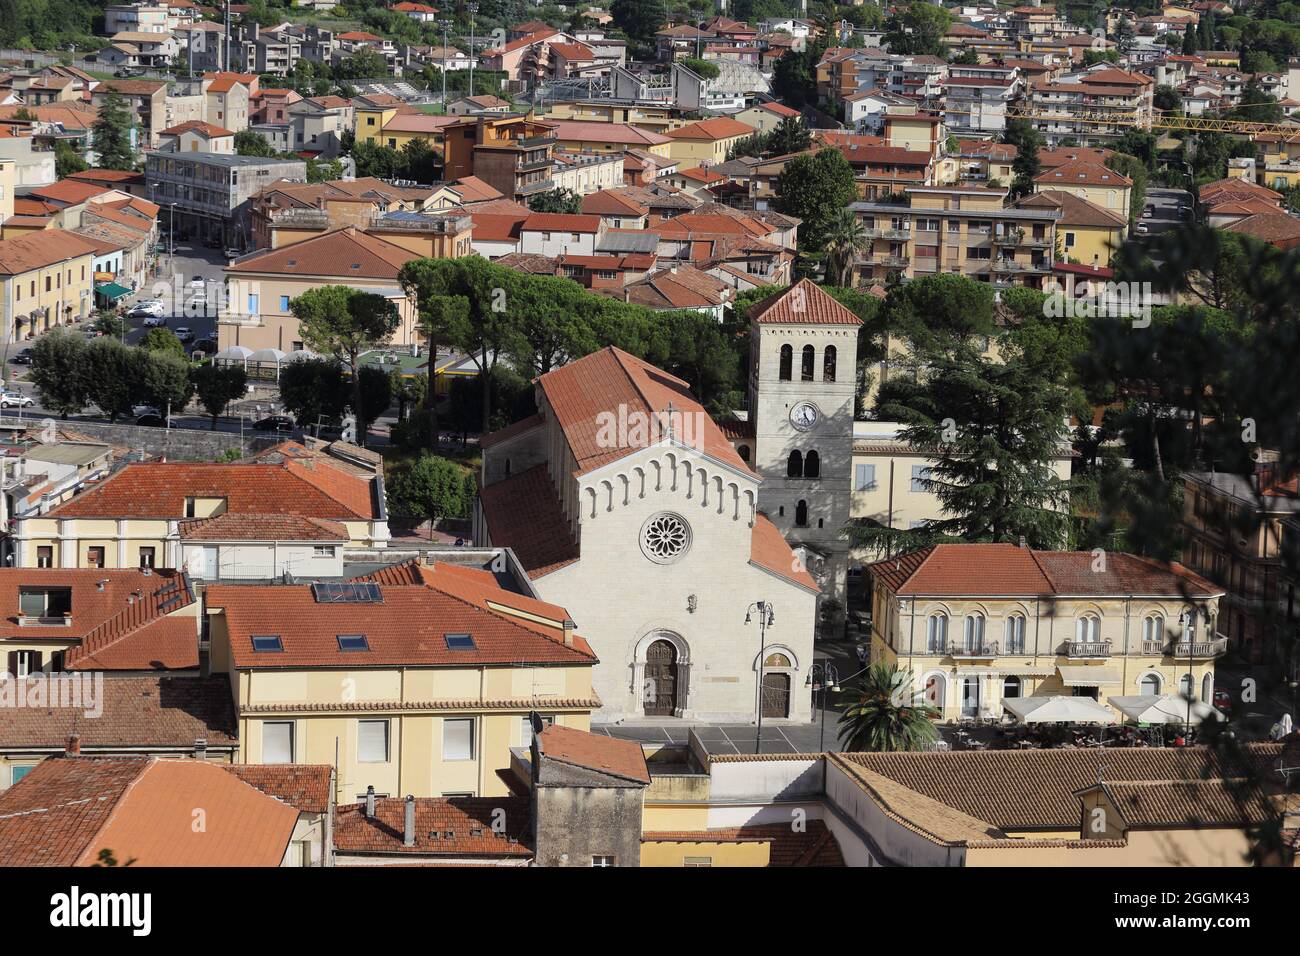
112	291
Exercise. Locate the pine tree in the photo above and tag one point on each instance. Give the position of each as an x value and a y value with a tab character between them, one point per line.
112	132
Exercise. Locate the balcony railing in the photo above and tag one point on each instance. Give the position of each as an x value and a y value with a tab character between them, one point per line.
1087	649
888	233
974	649
1194	649
894	262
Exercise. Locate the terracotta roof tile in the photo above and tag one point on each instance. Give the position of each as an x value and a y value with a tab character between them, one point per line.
305	786
818	307
262	527
343	252
768	549
604	754
444	826
523	513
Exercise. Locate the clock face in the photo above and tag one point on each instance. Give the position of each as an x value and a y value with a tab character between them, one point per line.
804	416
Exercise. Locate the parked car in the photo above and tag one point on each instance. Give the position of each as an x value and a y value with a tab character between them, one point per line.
15	400
1223	701
150	307
233	254
141	410
151	421
185	334
155	322
1141	229
23	358
274	423
1147	212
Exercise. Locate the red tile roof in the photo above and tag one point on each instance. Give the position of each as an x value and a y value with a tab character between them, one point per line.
159	490
262	527
407	627
197	126
155	711
444	826
769	550
1082	173
69	809
68	191
804	303
723	127
343	252
524	513
1006	569
604	754
305	786
492	228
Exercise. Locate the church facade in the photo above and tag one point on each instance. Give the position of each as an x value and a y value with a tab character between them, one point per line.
629	506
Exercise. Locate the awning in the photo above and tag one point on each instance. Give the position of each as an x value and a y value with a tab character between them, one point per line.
112	291
1163	709
1058	710
1085	676
1028	670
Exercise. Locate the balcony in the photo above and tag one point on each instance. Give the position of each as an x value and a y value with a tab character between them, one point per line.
902	234
1087	650
982	650
893	262
1193	650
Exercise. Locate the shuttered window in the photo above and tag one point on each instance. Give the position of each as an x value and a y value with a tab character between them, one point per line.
277	741
372	741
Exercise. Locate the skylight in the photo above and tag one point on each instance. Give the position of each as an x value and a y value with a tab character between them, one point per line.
268	643
353	642
459	642
349	592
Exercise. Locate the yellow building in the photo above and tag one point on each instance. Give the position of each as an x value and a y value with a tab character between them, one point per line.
401	128
978	624
656	119
1087	233
46	279
707	142
251	520
598	136
416	680
1094	182
370	113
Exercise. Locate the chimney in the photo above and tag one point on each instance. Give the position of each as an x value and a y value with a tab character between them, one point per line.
370	802
569	627
200	748
1024	542
73	748
408	828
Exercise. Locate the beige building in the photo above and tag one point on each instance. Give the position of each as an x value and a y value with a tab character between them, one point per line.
417	680
46	280
964	230
977	624
706	142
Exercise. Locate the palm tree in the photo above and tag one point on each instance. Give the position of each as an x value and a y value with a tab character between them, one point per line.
845	238
885	717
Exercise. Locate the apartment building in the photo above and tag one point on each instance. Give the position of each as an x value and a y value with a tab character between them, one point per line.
417	679
1098	184
46	280
1094	107
975	97
964	230
980	624
147	101
512	153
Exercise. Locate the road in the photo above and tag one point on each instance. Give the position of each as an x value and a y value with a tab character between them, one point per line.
1164	204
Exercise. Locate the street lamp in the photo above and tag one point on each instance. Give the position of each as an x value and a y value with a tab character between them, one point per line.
446	25
828	681
765	620
473	9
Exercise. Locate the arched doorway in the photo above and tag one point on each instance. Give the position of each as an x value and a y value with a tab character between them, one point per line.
660	693
776	695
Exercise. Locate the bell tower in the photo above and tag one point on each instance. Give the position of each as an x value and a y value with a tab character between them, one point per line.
802	387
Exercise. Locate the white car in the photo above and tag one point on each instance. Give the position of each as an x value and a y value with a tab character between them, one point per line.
15	400
1141	229
150	307
154	322
185	334
138	410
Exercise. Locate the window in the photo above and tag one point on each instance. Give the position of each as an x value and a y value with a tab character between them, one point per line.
806	363
794	464
812	465
697	861
458	738
17	773
1149	685
1088	629
1185	685
1010	687
1015	634
1069	240
936	633
189	508
801	514
372	741
1153	628
353	642
284	303
323	551
1189	627
787	360
974	636
828	364
277	741
267	643
459	642
864	477
602	861
45	556
95	557
920	475
148	557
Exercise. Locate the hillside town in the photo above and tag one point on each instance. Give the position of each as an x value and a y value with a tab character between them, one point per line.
404	461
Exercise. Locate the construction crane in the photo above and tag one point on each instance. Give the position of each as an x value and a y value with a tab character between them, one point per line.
1160	119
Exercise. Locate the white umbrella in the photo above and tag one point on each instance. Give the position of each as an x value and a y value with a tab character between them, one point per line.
1286	724
1163	709
235	353
1058	710
267	357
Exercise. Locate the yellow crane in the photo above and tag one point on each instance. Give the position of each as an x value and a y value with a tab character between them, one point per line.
1160	120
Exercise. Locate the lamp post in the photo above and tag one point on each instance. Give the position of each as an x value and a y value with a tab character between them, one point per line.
765	620
446	25
473	9
828	680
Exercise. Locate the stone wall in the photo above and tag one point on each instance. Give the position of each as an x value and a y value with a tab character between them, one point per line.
178	444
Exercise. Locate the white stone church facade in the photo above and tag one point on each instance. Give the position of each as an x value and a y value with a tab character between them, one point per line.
630	507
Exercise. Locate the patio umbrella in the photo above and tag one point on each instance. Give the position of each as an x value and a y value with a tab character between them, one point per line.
235	353
1163	709
1058	710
